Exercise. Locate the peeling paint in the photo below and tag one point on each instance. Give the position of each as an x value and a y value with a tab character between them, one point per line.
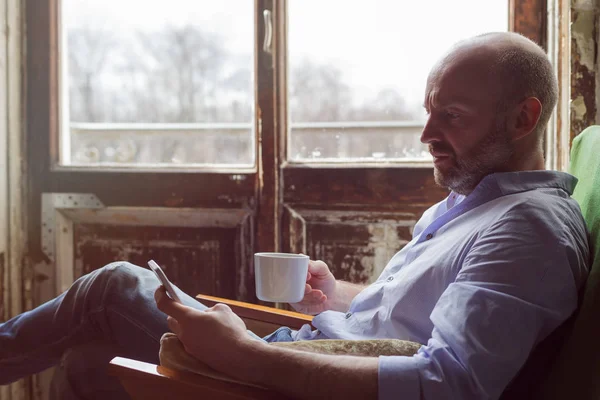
356	245
41	287
587	5
385	247
582	32
578	109
197	259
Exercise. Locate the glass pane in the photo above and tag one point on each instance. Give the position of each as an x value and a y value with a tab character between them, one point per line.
357	72
157	83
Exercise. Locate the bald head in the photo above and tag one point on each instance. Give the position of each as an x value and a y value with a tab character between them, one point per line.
520	68
489	100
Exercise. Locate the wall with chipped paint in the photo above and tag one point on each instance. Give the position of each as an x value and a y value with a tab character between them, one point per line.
584	64
12	236
4	391
356	245
3	163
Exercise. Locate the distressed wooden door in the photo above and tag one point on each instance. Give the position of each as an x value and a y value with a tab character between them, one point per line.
124	174
351	197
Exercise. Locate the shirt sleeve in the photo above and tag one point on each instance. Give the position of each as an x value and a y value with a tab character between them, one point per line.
516	285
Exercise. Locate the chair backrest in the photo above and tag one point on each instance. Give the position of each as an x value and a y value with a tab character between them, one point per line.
576	371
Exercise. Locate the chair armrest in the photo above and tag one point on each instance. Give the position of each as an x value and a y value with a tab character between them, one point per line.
260	319
148	381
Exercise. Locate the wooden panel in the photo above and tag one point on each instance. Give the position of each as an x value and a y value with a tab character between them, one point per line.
260	319
410	190
584	48
355	219
155	189
293	231
529	18
145	381
198	260
267	179
126	187
355	245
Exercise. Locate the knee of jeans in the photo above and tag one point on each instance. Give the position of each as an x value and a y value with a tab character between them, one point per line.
119	275
282	334
121	266
121	270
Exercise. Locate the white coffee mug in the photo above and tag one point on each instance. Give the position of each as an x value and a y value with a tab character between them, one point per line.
280	277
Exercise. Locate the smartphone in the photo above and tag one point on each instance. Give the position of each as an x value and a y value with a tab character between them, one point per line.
163	280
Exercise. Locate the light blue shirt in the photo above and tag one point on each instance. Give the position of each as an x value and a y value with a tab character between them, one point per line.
485	278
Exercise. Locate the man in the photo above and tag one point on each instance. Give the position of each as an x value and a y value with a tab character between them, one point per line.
490	272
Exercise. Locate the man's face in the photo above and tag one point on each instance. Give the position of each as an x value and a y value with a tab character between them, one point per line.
465	130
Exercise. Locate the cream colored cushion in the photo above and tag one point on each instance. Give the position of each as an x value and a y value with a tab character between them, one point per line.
173	355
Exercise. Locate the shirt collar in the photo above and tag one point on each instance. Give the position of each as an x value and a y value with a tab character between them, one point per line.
497	185
453	199
505	183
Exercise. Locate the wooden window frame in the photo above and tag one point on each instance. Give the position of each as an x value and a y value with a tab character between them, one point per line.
387	186
275	180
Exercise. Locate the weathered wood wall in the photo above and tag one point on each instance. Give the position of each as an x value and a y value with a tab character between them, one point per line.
12	171
584	64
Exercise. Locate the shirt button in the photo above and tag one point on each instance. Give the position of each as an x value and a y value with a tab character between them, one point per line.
429	236
348	315
391	278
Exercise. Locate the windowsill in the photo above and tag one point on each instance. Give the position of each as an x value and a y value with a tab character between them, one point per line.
357	165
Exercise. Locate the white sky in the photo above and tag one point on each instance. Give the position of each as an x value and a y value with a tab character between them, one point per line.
376	43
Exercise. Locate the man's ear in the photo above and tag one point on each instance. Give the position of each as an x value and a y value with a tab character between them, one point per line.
525	118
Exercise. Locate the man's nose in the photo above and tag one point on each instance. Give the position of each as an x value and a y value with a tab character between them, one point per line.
430	133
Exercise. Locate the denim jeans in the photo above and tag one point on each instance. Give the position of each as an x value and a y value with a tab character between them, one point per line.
106	313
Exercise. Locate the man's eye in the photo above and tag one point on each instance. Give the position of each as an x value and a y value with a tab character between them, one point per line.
452	115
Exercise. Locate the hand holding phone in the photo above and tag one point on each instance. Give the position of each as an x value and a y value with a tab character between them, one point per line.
163	280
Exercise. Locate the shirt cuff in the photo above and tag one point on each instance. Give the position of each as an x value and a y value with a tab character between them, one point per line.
399	375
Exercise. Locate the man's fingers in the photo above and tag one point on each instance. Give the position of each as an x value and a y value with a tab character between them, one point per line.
174	326
317	268
314	297
168	305
307	289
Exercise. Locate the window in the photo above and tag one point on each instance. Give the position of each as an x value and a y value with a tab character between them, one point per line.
172	85
357	72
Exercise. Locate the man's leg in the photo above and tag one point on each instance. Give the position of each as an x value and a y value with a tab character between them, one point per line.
113	305
82	374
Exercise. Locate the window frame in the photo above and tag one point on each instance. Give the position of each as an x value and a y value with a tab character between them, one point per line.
274	178
525	16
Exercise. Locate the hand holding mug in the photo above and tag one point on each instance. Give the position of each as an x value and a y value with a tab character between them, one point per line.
320	287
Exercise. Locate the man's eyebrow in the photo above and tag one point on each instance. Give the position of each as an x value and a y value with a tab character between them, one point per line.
464	104
459	104
430	98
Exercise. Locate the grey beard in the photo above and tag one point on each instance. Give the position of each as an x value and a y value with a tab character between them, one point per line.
489	156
